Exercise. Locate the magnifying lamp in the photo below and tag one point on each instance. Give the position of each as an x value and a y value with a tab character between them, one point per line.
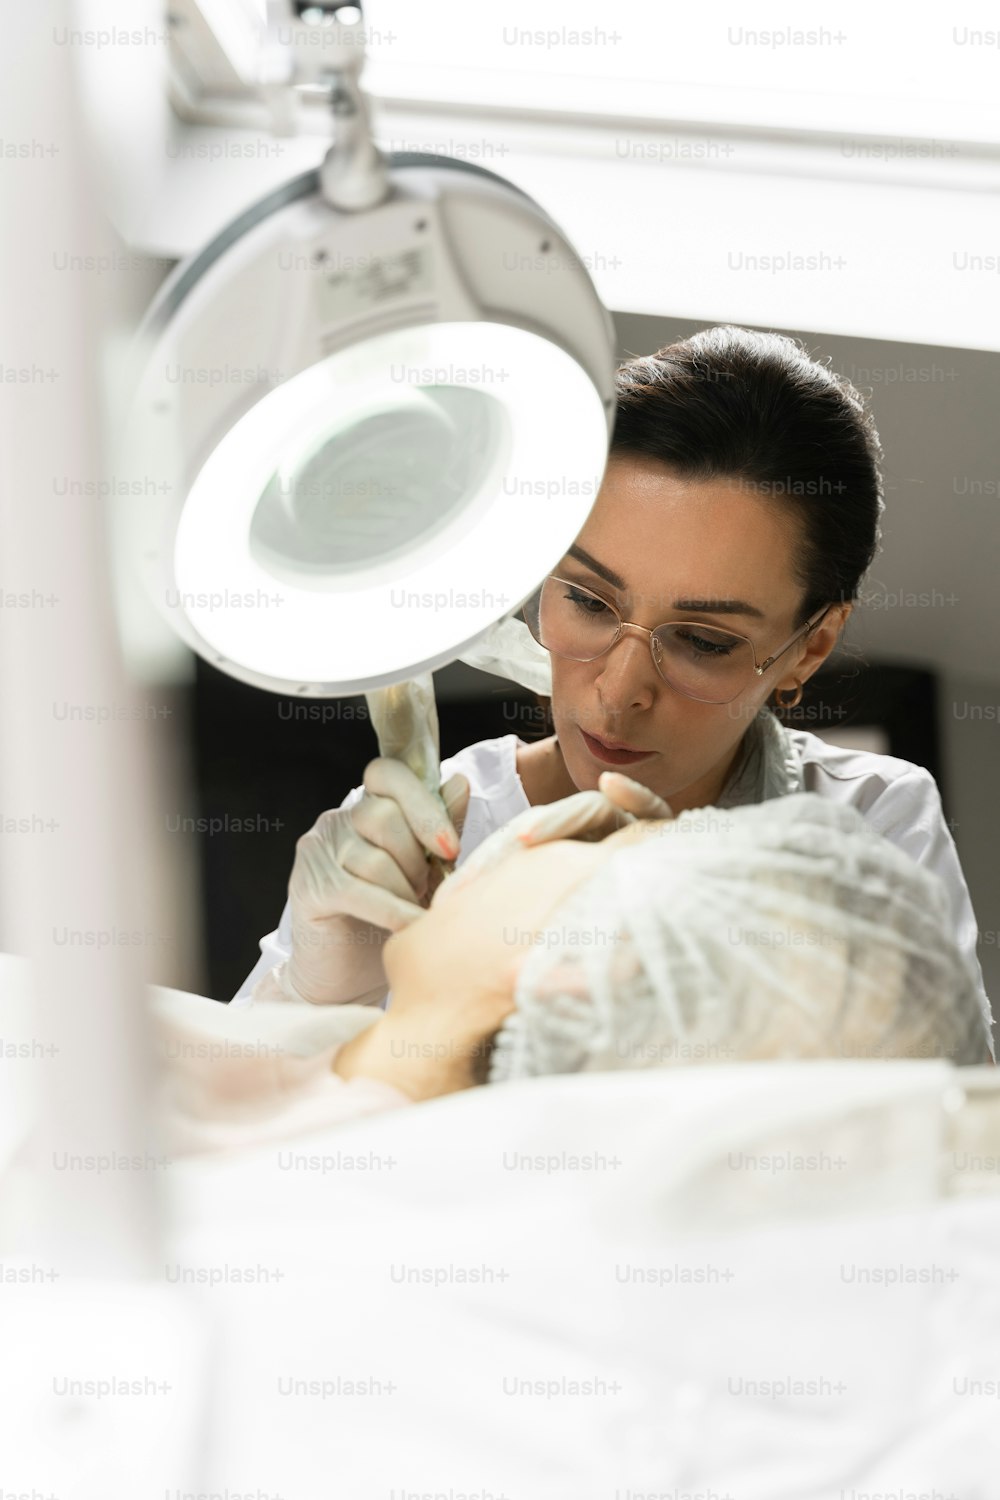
372	413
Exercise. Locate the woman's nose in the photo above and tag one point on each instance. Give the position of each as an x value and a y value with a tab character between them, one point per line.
628	678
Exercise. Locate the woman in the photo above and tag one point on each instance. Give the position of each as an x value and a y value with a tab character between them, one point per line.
769	932
737	517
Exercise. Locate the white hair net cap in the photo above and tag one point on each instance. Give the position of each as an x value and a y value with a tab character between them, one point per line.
788	929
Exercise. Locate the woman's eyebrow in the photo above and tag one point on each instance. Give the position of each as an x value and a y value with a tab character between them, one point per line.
691	606
719	607
596	567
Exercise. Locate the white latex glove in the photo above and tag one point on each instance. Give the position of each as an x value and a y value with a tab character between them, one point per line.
366	868
589	816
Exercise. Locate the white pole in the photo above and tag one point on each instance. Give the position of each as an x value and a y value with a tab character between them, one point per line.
70	760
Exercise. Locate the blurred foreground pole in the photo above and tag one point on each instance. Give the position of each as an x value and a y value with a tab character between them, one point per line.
71	762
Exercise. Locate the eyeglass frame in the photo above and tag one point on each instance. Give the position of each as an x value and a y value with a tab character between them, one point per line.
759	668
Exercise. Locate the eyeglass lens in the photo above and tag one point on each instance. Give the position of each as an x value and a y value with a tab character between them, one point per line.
699	660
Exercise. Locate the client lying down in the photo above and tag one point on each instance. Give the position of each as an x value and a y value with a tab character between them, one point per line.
785	929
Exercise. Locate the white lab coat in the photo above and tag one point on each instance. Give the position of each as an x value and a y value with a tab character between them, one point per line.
900	800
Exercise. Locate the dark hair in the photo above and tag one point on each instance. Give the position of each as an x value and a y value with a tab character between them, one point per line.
729	403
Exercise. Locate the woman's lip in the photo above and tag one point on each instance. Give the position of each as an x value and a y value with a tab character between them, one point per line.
613	757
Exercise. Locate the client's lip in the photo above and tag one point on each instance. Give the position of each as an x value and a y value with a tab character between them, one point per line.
613	754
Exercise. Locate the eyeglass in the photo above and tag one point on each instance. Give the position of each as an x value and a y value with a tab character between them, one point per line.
699	661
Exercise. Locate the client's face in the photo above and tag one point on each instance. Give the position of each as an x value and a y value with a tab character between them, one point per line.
452	972
472	940
474	936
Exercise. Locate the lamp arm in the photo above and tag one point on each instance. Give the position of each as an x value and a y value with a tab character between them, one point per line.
317	47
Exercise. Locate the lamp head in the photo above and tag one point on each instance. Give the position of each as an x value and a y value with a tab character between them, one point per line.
365	436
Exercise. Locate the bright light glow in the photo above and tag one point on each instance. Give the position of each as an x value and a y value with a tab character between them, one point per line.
387	618
857	68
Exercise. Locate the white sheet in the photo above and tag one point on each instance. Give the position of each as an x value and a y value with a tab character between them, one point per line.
672	1239
556	1249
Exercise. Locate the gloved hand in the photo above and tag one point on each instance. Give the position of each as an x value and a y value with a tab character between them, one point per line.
589	816
366	868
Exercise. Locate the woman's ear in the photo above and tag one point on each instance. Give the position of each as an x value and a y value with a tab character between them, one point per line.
822	640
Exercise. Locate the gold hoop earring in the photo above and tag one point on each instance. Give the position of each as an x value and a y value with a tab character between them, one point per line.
782	702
